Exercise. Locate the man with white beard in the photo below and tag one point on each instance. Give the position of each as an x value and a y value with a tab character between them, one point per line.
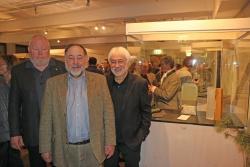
131	100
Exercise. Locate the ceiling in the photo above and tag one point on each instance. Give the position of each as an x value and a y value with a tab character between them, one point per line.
75	20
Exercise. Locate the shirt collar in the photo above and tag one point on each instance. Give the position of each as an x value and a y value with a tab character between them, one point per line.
169	71
81	77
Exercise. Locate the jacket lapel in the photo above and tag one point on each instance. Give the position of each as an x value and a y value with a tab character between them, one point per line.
129	89
170	73
90	96
63	103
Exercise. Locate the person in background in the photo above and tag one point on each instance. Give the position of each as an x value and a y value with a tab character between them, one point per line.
167	94
27	87
146	74
184	73
92	66
8	156
106	67
77	127
132	106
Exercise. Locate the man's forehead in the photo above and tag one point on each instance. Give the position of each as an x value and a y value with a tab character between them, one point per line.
118	56
39	43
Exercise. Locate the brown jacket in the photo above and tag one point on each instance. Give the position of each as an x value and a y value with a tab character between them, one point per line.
53	128
168	94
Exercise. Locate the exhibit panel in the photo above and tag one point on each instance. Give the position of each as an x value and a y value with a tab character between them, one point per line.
181	145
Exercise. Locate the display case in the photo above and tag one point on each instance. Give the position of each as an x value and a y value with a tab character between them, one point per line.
221	51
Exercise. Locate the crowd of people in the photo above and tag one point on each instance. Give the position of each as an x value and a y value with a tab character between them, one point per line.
67	115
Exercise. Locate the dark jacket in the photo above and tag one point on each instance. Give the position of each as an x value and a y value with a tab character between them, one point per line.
4	125
24	110
136	110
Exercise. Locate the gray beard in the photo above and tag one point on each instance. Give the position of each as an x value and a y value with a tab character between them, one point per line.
74	74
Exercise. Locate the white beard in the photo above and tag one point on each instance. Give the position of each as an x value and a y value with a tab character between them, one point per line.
74	73
120	72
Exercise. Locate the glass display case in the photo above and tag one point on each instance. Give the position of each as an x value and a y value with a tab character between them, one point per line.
221	52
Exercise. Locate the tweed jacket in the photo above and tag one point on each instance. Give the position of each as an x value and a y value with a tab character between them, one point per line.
168	94
53	127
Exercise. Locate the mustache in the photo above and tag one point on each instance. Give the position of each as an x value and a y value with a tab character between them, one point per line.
76	66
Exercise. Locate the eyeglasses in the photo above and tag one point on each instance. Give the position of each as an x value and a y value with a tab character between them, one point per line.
119	62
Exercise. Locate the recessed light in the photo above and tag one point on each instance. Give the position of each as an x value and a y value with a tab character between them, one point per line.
103	28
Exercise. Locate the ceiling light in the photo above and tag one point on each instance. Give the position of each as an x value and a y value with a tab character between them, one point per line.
103	28
45	32
58	41
96	28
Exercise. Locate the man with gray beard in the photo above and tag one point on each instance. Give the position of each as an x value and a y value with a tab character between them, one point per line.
77	119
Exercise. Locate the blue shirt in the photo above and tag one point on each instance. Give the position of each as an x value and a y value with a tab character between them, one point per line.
77	110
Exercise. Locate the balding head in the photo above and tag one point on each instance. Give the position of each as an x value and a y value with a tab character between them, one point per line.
39	51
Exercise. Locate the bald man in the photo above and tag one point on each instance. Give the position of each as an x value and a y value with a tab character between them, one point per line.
26	92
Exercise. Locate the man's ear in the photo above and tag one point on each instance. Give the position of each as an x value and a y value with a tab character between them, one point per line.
86	63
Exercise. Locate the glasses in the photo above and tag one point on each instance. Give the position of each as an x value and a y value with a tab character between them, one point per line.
119	62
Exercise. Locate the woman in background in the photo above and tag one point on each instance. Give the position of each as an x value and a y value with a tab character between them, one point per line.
8	156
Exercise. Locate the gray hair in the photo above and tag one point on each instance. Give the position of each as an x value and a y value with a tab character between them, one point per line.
119	50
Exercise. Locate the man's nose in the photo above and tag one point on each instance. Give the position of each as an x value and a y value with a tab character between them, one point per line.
40	52
75	61
116	64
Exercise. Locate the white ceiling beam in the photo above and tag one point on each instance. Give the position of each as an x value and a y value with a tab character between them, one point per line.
109	13
192	36
93	40
24	37
212	25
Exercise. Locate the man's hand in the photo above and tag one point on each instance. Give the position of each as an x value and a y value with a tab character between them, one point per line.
47	157
16	142
152	88
109	151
